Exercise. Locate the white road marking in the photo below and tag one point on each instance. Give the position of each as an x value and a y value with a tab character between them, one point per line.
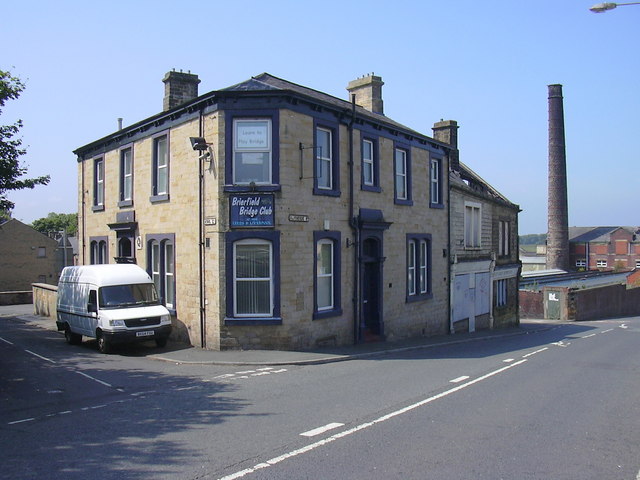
587	336
508	360
319	430
94	379
39	356
6	341
623	326
561	344
609	330
536	352
351	431
459	379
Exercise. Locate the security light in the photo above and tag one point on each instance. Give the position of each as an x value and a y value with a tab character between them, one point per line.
199	143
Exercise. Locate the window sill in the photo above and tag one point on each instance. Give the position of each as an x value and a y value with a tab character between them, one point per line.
370	188
399	201
97	208
251	189
419	298
159	198
327	314
326	193
240	321
125	203
436	205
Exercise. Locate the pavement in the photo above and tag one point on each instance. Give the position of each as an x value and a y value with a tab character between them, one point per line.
186	354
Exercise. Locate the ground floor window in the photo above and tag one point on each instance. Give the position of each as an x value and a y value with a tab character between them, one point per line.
327	274
500	292
161	267
253	284
601	263
98	250
418	266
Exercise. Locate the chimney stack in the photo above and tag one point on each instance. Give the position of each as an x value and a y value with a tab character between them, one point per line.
368	92
558	210
179	88
446	131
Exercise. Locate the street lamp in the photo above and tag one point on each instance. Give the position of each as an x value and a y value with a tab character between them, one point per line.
603	7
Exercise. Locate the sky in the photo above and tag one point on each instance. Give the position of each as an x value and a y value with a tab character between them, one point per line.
485	64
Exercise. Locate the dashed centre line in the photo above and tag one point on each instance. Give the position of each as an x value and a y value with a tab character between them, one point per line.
319	430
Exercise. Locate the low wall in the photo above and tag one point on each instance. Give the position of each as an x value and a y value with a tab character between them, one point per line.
44	299
605	302
531	304
16	298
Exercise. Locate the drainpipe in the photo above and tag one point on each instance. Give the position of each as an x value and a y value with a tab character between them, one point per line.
354	227
83	217
449	256
203	314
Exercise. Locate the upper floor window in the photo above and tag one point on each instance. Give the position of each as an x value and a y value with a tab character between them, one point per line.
126	177
368	173
252	151
503	238
42	252
418	271
472	224
326	179
435	184
402	174
160	185
98	184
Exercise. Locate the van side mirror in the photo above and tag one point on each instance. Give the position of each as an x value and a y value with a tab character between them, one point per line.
92	307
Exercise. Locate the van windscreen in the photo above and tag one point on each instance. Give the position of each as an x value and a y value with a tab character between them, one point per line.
137	294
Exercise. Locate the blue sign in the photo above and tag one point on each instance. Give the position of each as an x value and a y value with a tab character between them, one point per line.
251	211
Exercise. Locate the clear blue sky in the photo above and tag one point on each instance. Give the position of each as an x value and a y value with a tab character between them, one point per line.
484	63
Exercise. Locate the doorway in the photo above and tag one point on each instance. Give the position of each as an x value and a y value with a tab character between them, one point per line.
371	326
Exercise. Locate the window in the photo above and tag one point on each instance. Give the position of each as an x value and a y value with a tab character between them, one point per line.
42	252
500	289
503	238
98	184
370	165
98	253
160	185
325	166
252	275
161	261
126	177
253	283
472	225
418	261
601	263
327	274
252	151
402	176
581	263
435	174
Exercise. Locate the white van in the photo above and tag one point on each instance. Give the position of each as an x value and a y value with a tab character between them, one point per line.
115	303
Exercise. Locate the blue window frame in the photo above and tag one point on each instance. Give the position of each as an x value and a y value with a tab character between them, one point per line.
160	168
126	176
418	267
326	163
327	267
402	174
436	199
370	164
98	250
253	279
98	184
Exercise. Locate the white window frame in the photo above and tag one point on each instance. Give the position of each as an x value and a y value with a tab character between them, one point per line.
126	162
99	185
236	280
601	263
325	275
435	181
367	164
400	157
261	147
325	161
162	264
581	263
472	225
423	268
161	164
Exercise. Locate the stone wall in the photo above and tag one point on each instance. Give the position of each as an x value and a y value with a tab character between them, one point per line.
44	299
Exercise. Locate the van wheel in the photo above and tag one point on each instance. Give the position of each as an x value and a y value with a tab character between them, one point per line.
103	344
161	342
72	338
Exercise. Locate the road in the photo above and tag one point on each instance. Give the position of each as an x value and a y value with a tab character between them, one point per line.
561	403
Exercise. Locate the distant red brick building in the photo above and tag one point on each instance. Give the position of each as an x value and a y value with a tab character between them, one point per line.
604	248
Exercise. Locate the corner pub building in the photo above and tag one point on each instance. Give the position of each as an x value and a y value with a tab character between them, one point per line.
274	216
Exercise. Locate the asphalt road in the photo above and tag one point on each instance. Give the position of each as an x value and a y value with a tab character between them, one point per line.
560	403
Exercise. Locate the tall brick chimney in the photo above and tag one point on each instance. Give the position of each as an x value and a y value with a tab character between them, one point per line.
179	87
446	131
558	210
368	92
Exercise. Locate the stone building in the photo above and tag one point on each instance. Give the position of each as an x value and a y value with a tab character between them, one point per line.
485	267
272	215
26	256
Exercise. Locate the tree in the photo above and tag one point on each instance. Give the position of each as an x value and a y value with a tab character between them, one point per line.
57	222
11	149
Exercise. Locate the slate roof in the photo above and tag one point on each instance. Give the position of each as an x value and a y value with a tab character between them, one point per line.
595	234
